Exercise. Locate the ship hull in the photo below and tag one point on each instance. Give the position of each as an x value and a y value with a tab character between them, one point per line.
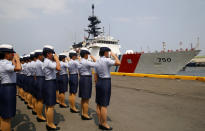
155	63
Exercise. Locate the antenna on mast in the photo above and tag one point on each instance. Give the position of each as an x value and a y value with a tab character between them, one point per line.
93	29
109	30
93	9
164	46
180	44
197	44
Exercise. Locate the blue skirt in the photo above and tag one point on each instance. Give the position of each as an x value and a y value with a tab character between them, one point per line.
20	80
7	100
26	84
17	79
49	92
23	82
32	85
39	87
85	87
73	83
29	81
62	83
103	91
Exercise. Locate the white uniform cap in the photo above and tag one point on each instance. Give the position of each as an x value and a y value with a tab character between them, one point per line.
72	51
6	46
84	49
62	54
49	46
32	53
38	51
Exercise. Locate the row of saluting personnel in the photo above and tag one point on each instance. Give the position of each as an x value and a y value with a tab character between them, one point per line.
42	78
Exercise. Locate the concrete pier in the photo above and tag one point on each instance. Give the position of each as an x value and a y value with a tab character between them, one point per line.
137	104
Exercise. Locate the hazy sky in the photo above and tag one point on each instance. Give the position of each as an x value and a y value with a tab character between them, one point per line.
30	24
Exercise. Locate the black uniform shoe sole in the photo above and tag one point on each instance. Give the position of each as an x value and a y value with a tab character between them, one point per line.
104	128
72	111
34	113
29	107
85	118
52	129
61	106
40	120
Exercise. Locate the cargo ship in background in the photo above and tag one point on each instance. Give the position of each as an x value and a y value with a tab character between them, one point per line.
163	62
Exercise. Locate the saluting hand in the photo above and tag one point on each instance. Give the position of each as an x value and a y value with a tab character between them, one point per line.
16	56
112	54
55	57
93	58
67	58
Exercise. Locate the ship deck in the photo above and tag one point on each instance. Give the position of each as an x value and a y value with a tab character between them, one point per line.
143	104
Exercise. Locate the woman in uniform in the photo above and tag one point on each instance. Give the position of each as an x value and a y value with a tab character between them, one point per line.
63	79
50	65
33	86
21	80
73	80
85	83
1	57
103	85
39	83
24	78
8	66
29	82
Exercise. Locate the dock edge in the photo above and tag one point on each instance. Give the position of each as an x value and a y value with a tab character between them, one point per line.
160	76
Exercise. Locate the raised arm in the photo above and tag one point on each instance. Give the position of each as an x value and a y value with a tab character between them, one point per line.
58	67
16	62
117	61
93	58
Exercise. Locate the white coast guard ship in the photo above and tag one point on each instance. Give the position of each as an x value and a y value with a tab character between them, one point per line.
164	62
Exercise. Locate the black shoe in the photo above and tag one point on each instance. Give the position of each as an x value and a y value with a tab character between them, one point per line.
29	107
72	111
62	106
52	129
34	113
40	120
104	128
85	118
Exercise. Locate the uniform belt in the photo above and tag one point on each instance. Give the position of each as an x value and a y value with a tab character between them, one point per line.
86	75
73	74
51	80
8	84
104	78
63	74
40	76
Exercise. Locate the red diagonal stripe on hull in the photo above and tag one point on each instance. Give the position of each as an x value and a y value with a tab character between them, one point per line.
129	63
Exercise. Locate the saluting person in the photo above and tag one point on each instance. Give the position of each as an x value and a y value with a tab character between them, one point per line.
33	86
1	57
39	84
103	84
50	65
63	79
23	72
29	81
85	83
21	79
8	66
73	80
